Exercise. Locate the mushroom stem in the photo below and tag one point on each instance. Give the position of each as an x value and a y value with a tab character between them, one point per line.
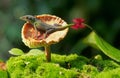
48	53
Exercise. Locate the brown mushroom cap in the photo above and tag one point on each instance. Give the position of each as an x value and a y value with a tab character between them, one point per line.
32	41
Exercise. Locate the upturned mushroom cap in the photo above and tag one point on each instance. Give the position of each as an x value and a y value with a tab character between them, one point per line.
32	41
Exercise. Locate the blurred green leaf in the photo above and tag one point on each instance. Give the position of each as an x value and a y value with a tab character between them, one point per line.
16	51
35	52
95	41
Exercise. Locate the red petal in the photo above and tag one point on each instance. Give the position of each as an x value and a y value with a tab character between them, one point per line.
78	20
78	23
82	26
75	27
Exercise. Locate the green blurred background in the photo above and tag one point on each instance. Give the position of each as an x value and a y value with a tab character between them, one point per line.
102	15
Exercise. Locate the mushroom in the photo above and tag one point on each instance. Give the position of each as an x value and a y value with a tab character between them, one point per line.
2	66
38	41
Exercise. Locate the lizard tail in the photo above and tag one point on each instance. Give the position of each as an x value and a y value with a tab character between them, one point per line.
63	27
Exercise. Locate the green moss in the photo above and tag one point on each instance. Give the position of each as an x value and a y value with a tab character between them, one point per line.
73	60
3	74
104	65
89	71
55	71
115	73
33	65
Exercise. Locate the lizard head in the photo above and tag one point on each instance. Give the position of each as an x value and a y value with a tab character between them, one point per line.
28	18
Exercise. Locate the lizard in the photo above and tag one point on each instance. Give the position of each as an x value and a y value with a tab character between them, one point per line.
39	25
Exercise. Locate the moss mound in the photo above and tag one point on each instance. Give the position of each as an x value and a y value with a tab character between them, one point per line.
3	74
115	73
34	65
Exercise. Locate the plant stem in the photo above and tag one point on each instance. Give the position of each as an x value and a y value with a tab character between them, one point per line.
48	53
88	26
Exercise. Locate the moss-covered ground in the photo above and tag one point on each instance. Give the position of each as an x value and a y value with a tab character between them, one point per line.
34	65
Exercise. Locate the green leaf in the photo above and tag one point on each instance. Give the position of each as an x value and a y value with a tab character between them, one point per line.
35	52
16	51
97	42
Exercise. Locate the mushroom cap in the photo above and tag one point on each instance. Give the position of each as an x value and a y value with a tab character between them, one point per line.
32	41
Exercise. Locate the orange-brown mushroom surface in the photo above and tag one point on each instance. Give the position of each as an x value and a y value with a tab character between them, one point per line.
2	66
32	40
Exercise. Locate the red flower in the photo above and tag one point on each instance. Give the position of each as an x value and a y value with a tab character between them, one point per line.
78	23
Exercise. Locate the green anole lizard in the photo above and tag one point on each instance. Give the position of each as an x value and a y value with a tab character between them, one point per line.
39	25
